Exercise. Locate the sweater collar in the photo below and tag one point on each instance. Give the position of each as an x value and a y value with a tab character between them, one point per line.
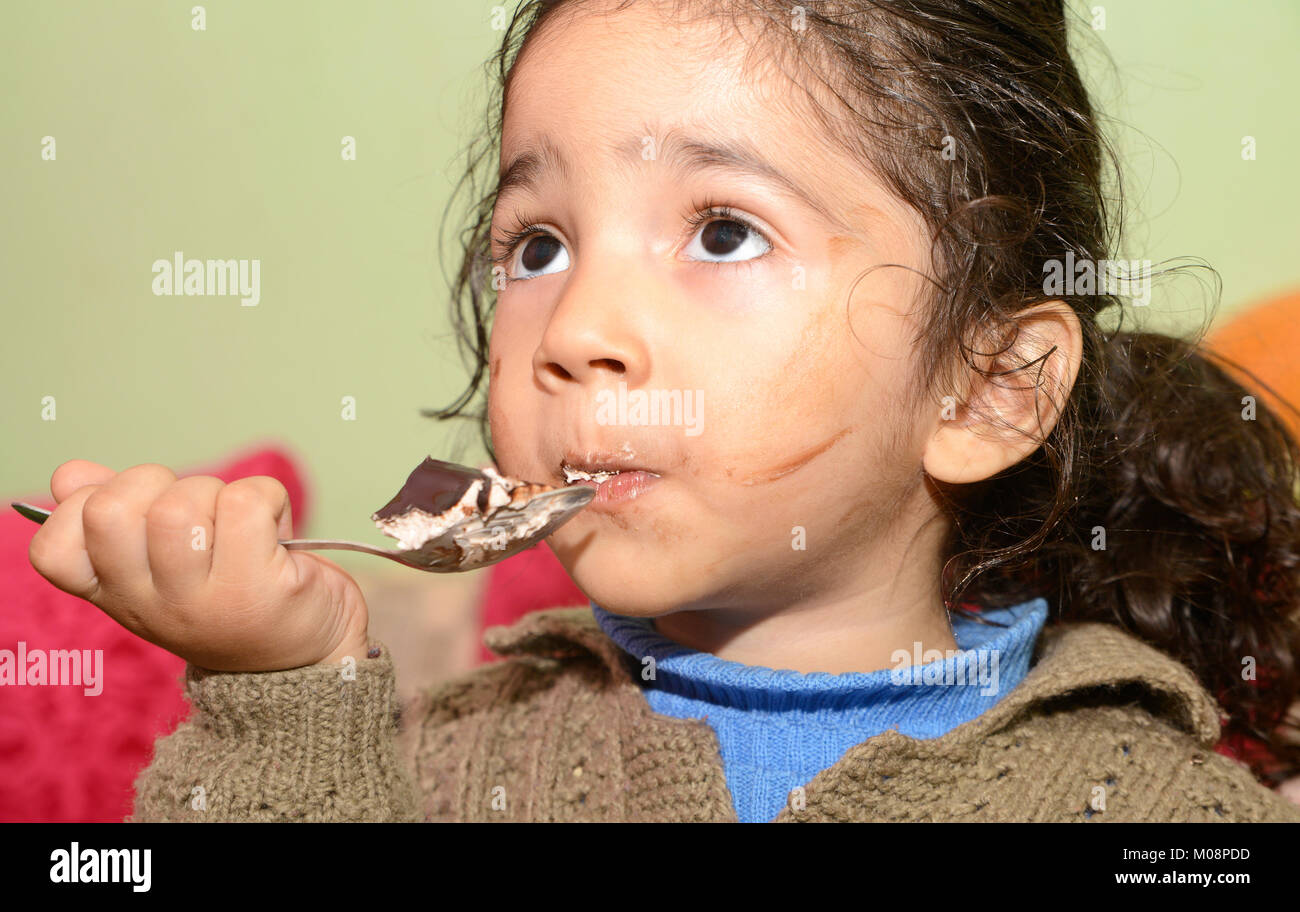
990	660
1069	659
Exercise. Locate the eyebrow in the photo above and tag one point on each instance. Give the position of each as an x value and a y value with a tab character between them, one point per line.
686	154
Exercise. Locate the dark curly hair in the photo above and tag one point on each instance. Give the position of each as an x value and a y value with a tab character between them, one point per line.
1197	505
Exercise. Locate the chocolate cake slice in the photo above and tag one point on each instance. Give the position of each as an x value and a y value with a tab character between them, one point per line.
439	496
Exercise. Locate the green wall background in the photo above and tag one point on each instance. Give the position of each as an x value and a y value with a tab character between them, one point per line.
225	143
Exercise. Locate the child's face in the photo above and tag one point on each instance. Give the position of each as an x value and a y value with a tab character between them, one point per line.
798	383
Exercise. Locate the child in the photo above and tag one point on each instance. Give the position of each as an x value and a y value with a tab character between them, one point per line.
887	526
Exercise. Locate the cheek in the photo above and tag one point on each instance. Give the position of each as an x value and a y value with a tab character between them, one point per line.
511	416
822	420
504	423
513	440
797	406
496	407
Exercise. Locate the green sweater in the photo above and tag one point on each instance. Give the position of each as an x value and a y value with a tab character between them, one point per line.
1102	728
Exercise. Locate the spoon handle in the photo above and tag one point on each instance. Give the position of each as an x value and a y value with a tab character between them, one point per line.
333	544
35	514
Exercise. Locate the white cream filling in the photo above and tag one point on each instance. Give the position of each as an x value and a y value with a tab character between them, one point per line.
415	527
571	475
499	496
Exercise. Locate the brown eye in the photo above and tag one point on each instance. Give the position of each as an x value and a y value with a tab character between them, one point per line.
723	237
542	254
727	240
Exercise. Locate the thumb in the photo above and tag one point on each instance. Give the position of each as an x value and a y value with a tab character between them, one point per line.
76	474
284	519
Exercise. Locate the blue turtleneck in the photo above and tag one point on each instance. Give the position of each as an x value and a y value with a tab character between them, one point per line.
778	729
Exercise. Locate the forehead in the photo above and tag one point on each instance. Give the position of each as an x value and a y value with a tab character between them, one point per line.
614	81
596	85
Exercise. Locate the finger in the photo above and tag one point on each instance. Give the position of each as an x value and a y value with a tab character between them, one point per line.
251	515
114	520
77	473
179	528
58	549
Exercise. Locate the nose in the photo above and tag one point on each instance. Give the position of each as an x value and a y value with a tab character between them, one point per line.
592	338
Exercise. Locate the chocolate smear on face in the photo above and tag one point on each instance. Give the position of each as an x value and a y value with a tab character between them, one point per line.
795	463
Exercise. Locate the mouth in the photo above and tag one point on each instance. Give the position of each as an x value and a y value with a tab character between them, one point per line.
616	477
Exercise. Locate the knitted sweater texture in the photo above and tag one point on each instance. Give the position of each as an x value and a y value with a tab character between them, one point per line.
777	729
1103	727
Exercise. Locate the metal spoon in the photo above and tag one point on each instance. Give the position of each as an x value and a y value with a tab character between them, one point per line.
472	543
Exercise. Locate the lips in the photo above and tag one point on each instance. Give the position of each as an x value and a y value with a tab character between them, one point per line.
598	467
617	477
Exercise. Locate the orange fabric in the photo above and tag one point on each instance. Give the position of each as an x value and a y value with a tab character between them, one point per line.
1265	339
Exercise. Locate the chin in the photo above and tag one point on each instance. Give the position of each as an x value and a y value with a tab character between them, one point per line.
622	577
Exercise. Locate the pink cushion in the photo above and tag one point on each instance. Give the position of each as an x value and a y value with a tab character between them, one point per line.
64	755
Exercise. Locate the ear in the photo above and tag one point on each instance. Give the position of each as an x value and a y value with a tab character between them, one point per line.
1007	417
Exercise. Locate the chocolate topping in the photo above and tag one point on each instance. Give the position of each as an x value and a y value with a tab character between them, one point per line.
436	487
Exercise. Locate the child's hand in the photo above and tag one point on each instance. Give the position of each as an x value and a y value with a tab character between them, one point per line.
194	565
